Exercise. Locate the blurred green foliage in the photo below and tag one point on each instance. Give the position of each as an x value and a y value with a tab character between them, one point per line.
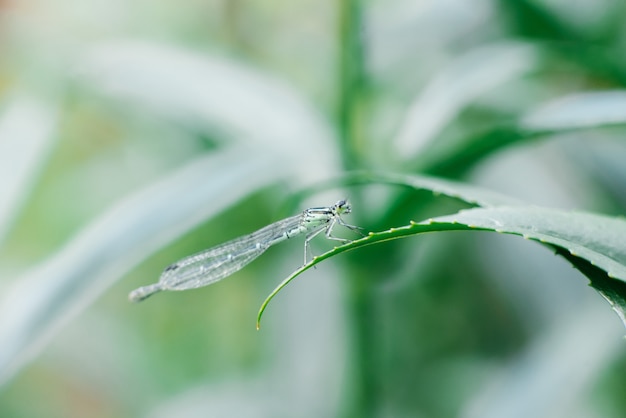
135	133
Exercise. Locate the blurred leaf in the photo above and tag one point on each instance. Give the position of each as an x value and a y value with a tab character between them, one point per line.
465	192
561	363
216	94
45	297
614	291
570	113
456	86
27	129
577	111
535	20
603	160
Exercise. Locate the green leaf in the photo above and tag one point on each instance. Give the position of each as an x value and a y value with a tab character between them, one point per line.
467	193
594	244
571	113
459	84
578	111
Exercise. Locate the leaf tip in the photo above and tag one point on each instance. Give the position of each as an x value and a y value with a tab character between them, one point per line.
258	317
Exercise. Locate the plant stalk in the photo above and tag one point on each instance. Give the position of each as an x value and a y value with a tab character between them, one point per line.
361	397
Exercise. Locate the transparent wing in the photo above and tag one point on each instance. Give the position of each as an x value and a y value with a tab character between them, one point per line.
219	262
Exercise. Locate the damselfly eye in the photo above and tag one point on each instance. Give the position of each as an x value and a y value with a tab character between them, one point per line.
343	206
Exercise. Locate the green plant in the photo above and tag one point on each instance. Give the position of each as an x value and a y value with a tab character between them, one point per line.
176	142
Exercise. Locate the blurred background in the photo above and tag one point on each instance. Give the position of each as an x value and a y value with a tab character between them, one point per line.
135	133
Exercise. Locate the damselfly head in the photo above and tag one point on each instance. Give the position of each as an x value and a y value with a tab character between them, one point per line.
342	207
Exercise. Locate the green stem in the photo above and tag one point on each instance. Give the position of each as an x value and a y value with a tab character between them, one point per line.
351	64
361	401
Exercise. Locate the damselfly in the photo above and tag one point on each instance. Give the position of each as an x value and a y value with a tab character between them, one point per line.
216	263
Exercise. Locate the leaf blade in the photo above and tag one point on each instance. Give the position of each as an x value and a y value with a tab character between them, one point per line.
592	243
